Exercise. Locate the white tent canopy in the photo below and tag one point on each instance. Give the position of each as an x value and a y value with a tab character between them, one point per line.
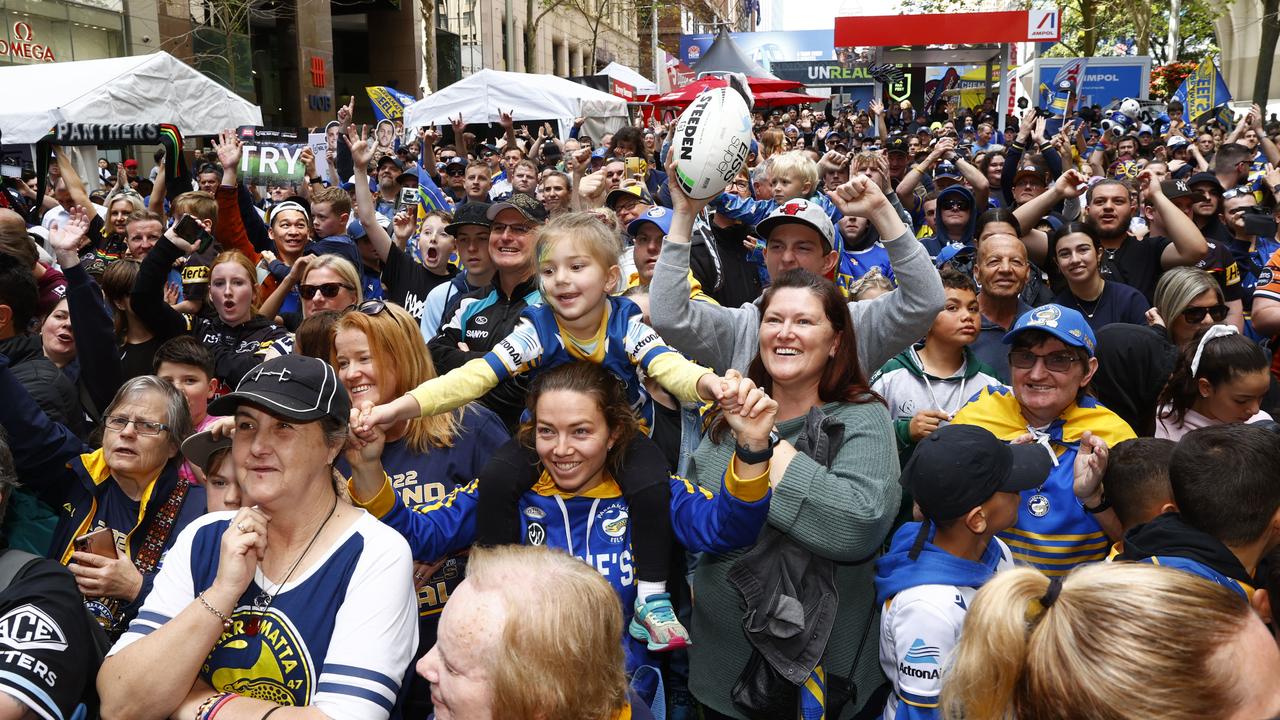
482	96
155	88
618	71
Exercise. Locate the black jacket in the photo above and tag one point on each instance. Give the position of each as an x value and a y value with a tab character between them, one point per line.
483	318
1169	537
53	392
236	350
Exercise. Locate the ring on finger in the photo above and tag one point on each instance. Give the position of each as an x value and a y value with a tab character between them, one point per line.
241	527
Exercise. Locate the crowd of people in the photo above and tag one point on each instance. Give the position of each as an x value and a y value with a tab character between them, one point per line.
916	419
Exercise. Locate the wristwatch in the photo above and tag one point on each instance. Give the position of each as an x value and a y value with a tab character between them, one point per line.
1103	505
752	457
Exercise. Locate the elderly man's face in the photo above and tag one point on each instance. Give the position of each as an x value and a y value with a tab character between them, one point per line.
459	665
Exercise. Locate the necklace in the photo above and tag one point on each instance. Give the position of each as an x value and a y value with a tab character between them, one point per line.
263	601
1095	301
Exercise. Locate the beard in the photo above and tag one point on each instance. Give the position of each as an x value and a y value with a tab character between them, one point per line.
1102	233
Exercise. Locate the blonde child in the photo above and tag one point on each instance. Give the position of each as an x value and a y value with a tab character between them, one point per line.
581	320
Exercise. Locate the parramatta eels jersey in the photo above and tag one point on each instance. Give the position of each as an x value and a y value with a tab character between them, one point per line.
1053	533
594	526
339	637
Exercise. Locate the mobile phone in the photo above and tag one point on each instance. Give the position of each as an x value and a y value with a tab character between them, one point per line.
408	198
637	166
190	229
100	542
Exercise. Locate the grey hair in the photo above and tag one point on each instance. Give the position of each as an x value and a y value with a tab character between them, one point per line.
8	473
1179	286
177	414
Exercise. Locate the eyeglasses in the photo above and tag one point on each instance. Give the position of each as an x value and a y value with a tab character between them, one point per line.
329	290
955	205
1058	362
500	228
1195	315
117	423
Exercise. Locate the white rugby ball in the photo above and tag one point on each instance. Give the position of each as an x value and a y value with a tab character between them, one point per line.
711	142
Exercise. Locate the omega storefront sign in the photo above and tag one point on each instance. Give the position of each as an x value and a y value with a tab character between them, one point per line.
22	44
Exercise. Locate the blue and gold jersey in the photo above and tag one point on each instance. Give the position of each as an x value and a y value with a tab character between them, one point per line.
594	526
1053	533
338	637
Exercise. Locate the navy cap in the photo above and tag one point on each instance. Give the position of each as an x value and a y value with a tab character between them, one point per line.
946	169
1066	324
1206	177
468	213
291	386
959	467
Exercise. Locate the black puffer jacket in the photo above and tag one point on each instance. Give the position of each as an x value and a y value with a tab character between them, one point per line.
52	390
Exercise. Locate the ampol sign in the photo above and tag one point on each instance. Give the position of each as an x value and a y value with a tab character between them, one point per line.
21	45
1105	78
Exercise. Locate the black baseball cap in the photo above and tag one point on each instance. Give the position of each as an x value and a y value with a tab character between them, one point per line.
897	144
468	213
1175	189
292	386
527	204
1205	177
959	467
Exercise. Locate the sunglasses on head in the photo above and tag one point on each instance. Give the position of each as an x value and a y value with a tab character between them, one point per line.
1195	315
329	290
1236	192
371	307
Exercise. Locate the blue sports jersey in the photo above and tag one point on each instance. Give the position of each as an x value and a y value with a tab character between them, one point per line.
1053	533
594	527
856	263
1204	571
623	343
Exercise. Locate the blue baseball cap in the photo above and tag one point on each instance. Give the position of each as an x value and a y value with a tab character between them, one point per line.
598	153
946	169
1066	324
658	215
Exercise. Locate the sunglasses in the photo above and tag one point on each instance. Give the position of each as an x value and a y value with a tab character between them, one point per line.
1058	362
1195	315
329	290
371	307
455	172
1236	192
955	205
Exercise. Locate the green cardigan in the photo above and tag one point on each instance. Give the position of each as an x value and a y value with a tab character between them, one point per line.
843	513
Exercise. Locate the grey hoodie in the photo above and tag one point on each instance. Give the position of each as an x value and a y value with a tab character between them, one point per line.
726	337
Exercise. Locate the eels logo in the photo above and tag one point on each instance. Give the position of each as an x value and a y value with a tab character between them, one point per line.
273	665
613	521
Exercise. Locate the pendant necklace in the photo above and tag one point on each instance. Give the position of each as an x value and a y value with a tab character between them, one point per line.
263	601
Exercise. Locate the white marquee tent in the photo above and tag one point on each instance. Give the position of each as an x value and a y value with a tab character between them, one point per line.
155	88
618	71
482	96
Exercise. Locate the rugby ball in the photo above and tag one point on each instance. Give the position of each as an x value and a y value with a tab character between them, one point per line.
711	141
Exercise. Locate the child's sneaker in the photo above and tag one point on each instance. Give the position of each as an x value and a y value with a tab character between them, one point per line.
655	623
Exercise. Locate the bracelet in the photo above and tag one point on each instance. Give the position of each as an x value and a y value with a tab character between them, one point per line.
315	180
267	714
225	698
753	457
919	169
203	711
226	621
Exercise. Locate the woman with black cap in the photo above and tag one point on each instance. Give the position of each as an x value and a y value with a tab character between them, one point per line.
296	600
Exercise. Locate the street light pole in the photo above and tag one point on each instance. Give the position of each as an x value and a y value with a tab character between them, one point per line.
653	41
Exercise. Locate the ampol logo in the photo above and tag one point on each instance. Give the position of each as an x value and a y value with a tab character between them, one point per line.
1042	24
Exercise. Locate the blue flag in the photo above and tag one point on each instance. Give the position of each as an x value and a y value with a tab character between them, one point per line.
1204	91
388	103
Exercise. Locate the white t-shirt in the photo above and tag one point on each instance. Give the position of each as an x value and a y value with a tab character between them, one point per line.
339	637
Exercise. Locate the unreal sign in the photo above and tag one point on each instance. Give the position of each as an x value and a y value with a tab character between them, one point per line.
822	73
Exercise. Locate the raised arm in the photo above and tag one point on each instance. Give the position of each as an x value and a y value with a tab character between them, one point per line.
917	172
75	186
1188	245
147	298
155	203
229	228
90	323
366	208
1029	214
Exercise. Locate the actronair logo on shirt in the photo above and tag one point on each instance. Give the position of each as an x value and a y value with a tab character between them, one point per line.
920	653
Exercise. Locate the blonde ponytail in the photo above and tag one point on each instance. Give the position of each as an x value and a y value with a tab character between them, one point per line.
1121	640
989	661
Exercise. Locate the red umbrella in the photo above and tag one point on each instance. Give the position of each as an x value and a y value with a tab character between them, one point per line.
761	88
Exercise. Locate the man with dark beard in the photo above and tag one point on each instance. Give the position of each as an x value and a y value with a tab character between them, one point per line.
1108	210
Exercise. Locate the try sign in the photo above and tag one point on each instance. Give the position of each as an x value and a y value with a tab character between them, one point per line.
970	28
